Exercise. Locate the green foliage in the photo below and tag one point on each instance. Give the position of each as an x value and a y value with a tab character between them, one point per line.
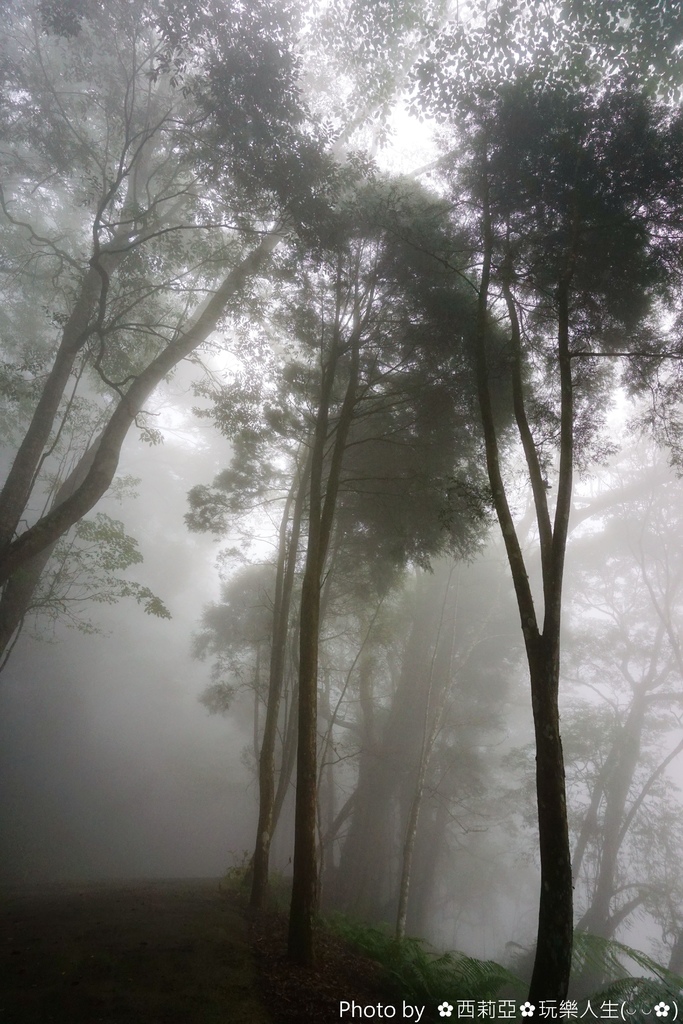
86	566
416	973
616	964
235	636
364	80
569	44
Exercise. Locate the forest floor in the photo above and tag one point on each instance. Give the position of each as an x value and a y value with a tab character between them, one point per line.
163	952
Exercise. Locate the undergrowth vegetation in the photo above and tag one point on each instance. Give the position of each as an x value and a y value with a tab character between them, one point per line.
604	973
420	975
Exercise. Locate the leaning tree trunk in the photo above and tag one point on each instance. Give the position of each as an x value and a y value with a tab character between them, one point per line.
85	320
57	521
17	595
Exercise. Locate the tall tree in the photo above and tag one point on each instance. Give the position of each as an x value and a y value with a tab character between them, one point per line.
373	332
392	455
570	192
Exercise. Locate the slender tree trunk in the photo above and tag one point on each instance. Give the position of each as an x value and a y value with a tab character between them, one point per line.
305	872
552	966
555	915
288	550
409	849
428	852
550	978
429	730
321	518
288	757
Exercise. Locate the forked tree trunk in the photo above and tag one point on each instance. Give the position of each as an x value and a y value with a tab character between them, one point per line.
552	966
321	517
57	521
86	317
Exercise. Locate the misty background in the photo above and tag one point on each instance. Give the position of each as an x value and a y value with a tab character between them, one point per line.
319	334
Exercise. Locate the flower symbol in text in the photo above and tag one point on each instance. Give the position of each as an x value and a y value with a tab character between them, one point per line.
527	1009
662	1010
445	1009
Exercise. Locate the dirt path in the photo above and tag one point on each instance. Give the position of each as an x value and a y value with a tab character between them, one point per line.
143	952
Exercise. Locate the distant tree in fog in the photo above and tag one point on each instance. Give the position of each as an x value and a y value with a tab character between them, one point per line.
625	613
428	699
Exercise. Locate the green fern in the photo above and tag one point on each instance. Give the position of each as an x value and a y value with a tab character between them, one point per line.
617	964
414	972
612	958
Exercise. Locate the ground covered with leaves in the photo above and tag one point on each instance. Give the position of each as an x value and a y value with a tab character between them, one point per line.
315	995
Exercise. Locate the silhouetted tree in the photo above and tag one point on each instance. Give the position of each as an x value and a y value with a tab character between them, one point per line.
570	193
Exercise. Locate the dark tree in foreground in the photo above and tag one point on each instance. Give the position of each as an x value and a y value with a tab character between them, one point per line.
571	193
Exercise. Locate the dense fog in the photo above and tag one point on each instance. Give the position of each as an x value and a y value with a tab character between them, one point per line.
111	767
340	531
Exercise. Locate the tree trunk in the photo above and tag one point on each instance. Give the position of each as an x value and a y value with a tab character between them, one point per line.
321	517
288	550
20	588
676	959
409	849
429	849
389	762
17	488
550	978
86	318
429	730
555	915
304	884
58	520
598	919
